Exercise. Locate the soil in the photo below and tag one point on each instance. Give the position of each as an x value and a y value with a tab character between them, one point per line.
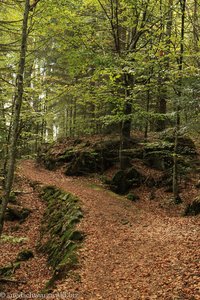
132	250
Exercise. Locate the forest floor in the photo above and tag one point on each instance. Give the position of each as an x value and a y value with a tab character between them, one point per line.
132	250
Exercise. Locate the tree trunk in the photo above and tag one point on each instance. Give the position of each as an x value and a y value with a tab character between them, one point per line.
16	117
3	129
162	88
74	117
162	104
175	162
126	123
196	30
147	110
177	126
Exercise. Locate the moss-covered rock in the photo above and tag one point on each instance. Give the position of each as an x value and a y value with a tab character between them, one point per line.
193	209
123	180
80	156
134	176
59	238
16	212
96	155
159	154
9	270
119	183
133	197
186	145
184	140
84	163
12	198
96	158
24	255
160	160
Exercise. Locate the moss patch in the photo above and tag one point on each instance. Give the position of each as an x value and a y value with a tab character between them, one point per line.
193	209
12	239
59	238
132	197
9	270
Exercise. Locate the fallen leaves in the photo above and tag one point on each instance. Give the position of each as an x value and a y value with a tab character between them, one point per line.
132	250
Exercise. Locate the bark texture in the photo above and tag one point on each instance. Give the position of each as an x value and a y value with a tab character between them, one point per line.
16	116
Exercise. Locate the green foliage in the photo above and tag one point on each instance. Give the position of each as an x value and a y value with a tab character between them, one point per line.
74	80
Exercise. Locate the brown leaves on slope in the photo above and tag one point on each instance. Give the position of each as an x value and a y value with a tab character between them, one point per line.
34	273
131	251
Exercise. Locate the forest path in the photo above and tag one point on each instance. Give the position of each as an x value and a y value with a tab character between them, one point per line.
129	252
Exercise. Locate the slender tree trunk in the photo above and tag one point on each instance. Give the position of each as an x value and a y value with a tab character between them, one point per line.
177	125
126	124
161	99
162	103
74	117
162	87
175	162
147	109
16	117
43	130
3	128
8	137
196	28
71	120
68	124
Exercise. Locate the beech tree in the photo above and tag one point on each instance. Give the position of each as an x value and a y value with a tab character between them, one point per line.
178	100
18	98
84	76
97	66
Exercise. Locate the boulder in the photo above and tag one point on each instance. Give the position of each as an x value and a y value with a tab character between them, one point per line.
158	154
133	197
9	270
82	156
119	183
24	255
193	209
134	176
84	163
186	145
16	212
123	180
160	160
177	200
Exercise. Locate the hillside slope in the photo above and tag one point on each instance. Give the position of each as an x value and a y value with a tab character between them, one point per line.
132	250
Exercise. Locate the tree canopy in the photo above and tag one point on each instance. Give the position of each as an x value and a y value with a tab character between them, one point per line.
87	61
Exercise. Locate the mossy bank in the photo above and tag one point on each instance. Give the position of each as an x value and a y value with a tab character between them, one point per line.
59	237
